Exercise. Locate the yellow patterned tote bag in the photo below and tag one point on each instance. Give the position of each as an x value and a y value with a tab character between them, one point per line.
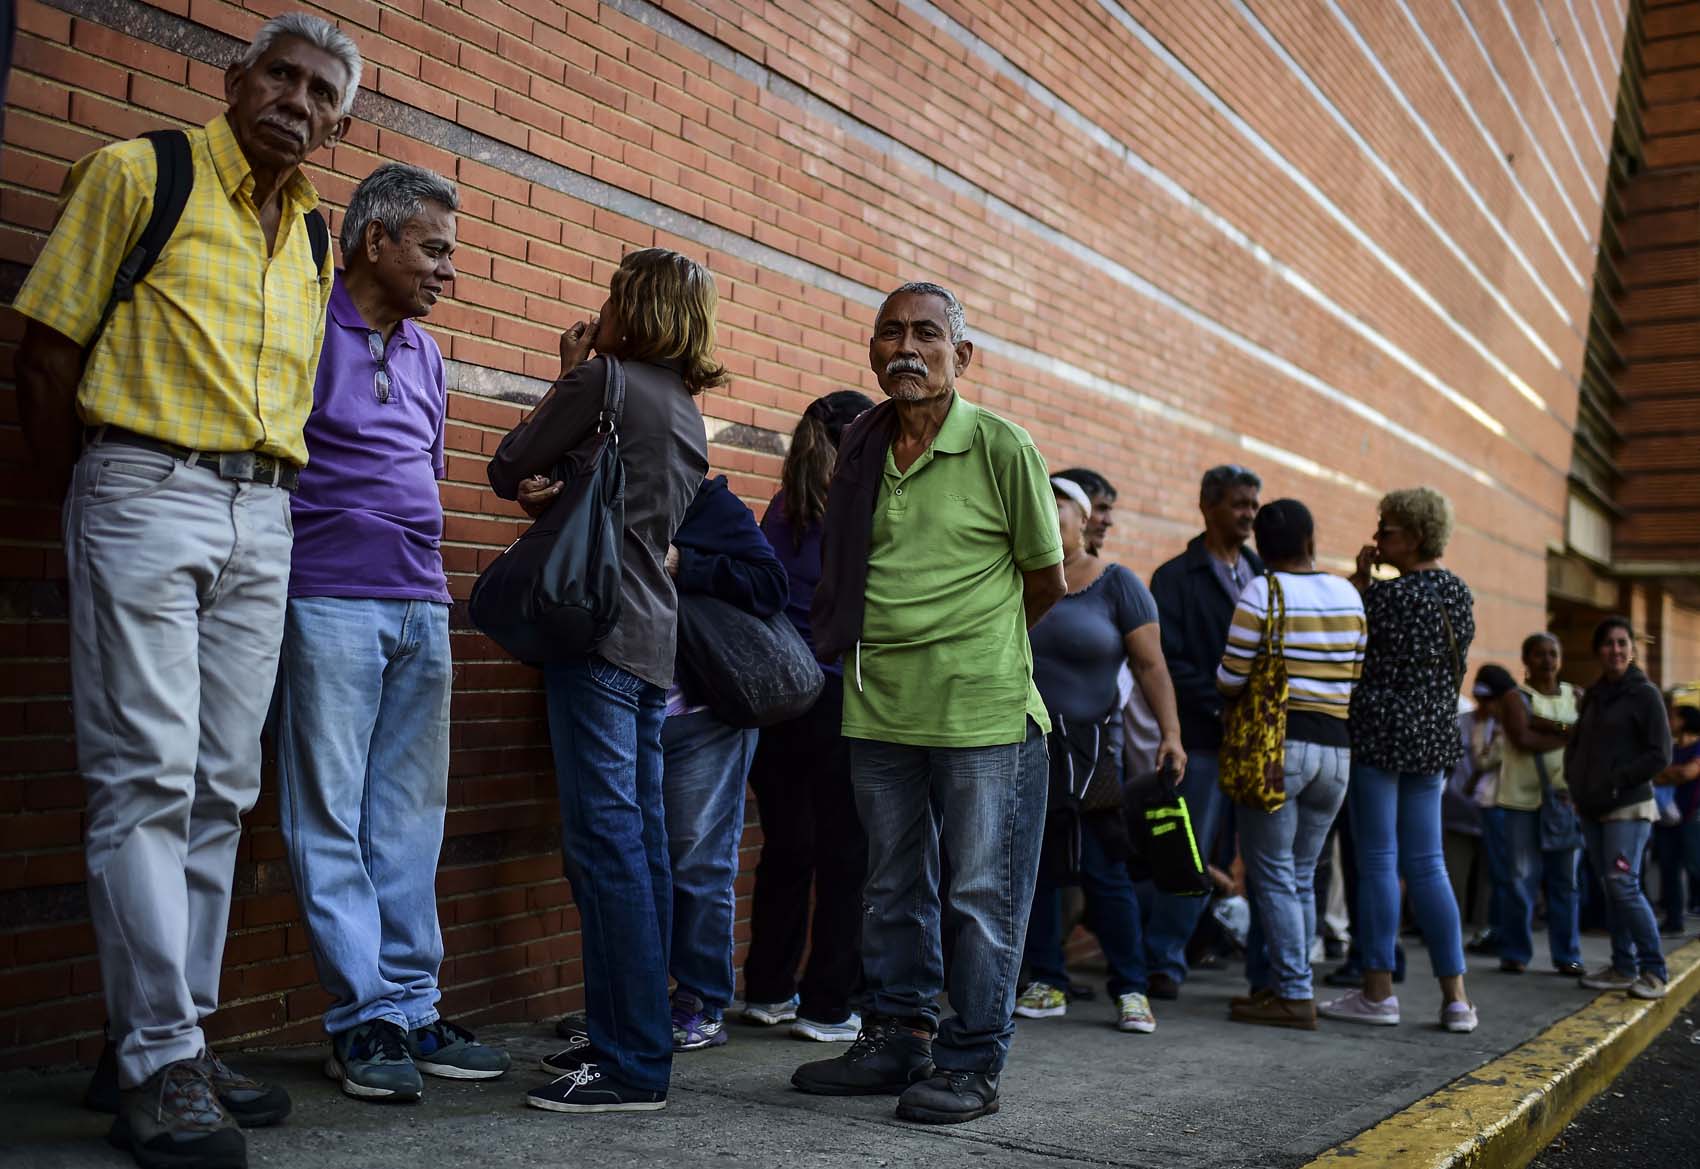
1254	725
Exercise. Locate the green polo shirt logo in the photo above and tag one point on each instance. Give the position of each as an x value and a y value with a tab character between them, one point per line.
944	656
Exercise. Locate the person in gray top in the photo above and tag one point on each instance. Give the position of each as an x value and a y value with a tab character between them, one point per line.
1108	620
606	708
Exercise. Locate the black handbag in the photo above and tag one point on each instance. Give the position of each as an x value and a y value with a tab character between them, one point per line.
555	592
1160	829
749	671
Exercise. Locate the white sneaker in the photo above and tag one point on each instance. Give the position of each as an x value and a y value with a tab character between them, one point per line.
1458	1017
1353	1007
771	1014
1648	986
844	1032
1607	978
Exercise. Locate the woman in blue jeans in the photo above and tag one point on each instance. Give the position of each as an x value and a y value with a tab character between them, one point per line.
720	552
606	708
1321	627
1621	742
1106	620
1404	743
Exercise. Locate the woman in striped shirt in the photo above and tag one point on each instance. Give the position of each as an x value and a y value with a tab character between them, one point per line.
1323	635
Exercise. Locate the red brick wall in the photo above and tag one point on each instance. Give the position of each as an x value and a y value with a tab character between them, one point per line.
1185	234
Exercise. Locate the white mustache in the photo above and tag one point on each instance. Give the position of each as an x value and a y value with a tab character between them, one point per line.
296	132
912	365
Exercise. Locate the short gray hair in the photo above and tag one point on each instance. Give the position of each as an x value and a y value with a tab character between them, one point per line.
1218	481
392	195
953	313
317	32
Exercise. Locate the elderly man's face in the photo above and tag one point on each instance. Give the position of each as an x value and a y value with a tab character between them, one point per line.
413	270
910	351
287	104
1231	516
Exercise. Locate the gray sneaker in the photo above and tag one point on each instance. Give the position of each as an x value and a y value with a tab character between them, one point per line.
1607	978
371	1062
449	1050
173	1120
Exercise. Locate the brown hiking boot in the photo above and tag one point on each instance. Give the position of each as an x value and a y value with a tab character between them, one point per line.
173	1120
1273	1011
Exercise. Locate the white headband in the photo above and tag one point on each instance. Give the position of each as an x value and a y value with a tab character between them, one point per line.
1075	492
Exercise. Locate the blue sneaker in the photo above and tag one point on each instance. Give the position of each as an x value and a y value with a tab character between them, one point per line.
449	1050
693	1028
772	1014
371	1062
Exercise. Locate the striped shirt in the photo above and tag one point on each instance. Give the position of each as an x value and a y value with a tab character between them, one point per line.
218	349
1323	639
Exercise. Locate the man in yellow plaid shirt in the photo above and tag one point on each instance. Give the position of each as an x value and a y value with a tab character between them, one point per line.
189	410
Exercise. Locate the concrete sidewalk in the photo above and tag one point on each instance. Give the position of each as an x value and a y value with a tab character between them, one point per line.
1200	1092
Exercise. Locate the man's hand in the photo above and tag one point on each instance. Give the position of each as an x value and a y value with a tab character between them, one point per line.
536	493
671	564
575	344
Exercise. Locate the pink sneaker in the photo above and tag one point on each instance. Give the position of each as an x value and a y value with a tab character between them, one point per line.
1353	1007
1459	1018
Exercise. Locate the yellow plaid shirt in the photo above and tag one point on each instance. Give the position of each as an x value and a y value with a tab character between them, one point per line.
218	349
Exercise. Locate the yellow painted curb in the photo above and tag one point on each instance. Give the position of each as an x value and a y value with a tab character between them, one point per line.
1506	1111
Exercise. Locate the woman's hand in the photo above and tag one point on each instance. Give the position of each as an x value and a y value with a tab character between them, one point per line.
536	493
1170	753
576	343
1367	557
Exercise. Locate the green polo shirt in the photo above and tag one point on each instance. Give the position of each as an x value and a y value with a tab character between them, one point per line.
944	659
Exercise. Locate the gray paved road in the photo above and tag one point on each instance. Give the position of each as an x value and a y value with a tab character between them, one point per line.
1200	1093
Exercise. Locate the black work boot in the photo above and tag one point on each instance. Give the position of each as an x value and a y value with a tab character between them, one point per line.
950	1098
886	1058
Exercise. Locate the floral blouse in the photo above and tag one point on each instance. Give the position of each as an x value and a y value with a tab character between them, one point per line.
1405	709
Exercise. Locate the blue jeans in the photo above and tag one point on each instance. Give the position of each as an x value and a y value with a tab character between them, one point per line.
363	779
1496	853
1616	847
1396	830
1170	918
990	816
706	765
1281	849
605	728
1112	913
1529	865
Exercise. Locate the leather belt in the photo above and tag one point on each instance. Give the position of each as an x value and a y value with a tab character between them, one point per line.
238	466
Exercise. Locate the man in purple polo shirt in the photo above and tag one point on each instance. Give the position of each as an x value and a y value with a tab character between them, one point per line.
365	677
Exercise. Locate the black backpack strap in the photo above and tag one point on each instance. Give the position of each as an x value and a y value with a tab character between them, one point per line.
319	234
174	178
613	395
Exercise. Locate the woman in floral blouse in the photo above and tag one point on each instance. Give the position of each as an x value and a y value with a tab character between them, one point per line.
1404	725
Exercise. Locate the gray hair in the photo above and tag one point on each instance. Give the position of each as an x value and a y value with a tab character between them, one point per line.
317	32
952	307
392	195
1218	481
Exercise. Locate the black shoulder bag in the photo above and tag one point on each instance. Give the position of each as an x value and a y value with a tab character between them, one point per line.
555	592
750	671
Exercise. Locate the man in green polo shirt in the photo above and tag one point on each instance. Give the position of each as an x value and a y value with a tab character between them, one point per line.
940	549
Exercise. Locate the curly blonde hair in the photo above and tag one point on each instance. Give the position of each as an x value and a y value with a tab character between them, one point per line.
1423	512
668	304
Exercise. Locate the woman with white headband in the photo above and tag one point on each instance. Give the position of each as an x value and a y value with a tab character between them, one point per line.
1108	619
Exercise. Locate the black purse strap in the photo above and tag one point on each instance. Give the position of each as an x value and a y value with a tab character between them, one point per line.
1451	638
613	396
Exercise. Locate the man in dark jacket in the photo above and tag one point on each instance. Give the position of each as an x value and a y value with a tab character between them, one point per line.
1196	593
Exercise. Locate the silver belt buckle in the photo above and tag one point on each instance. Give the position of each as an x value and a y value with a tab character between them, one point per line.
236	465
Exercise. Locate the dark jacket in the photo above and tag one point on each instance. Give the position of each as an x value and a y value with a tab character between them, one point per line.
1621	740
664	452
847	531
1194	612
724	554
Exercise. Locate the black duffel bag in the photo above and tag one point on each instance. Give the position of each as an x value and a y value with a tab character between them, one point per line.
749	671
555	592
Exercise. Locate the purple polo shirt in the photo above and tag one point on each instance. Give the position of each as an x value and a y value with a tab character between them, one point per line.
368	520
